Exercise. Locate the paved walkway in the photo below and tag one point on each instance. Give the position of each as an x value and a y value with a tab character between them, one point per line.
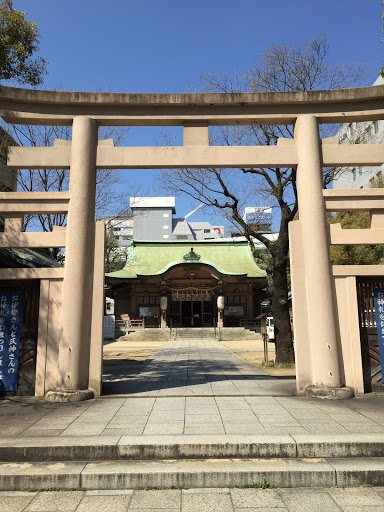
190	415
194	368
199	500
193	388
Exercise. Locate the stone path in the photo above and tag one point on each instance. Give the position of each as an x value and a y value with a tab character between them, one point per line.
194	368
192	415
193	388
355	499
192	398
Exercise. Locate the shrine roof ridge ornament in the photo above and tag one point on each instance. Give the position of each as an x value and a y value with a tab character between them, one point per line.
191	256
174	109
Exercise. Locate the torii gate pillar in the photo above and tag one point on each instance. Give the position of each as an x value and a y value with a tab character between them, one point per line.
318	271
78	273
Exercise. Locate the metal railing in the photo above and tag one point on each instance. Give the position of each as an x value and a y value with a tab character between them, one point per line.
215	328
265	344
255	325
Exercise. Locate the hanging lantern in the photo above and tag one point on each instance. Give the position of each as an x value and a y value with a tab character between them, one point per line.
163	303
220	303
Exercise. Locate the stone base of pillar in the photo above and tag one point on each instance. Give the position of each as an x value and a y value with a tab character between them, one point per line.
69	396
330	393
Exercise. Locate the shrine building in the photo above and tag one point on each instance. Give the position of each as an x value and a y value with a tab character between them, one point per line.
177	283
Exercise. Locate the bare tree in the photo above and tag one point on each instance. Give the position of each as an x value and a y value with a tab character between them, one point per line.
109	197
283	68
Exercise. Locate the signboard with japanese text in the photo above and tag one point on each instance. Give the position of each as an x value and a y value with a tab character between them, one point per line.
109	326
378	297
10	326
151	311
256	214
234	311
194	296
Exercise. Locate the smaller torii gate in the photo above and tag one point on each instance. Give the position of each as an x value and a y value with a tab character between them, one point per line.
69	355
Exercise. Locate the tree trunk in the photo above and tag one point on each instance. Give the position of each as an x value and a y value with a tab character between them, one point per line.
280	304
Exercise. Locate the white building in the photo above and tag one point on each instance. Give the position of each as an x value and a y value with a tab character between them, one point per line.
371	132
153	218
121	227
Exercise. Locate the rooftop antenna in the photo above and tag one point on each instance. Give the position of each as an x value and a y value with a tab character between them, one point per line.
193	211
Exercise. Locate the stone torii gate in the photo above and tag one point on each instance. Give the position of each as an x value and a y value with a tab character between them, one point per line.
69	352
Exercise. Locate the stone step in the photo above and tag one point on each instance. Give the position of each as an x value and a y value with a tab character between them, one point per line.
151	447
237	330
137	335
222	334
150	334
192	473
184	333
244	337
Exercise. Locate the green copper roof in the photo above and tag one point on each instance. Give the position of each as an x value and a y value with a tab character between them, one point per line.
229	257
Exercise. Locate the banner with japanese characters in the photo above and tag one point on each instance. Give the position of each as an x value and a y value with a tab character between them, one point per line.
378	297
10	325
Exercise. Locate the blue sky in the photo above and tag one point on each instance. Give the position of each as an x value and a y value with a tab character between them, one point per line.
165	45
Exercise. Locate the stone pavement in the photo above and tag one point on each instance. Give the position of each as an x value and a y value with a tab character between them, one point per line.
355	499
193	387
197	415
194	368
192	415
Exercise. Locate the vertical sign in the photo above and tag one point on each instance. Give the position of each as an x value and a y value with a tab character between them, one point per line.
10	324
109	326
378	296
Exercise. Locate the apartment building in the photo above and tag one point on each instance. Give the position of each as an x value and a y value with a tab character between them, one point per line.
370	132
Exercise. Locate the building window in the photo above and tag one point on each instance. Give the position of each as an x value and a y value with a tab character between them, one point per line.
165	236
165	226
360	171
181	237
354	174
165	214
116	229
375	126
207	230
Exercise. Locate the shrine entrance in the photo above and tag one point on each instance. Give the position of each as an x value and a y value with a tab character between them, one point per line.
71	300
192	312
188	284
